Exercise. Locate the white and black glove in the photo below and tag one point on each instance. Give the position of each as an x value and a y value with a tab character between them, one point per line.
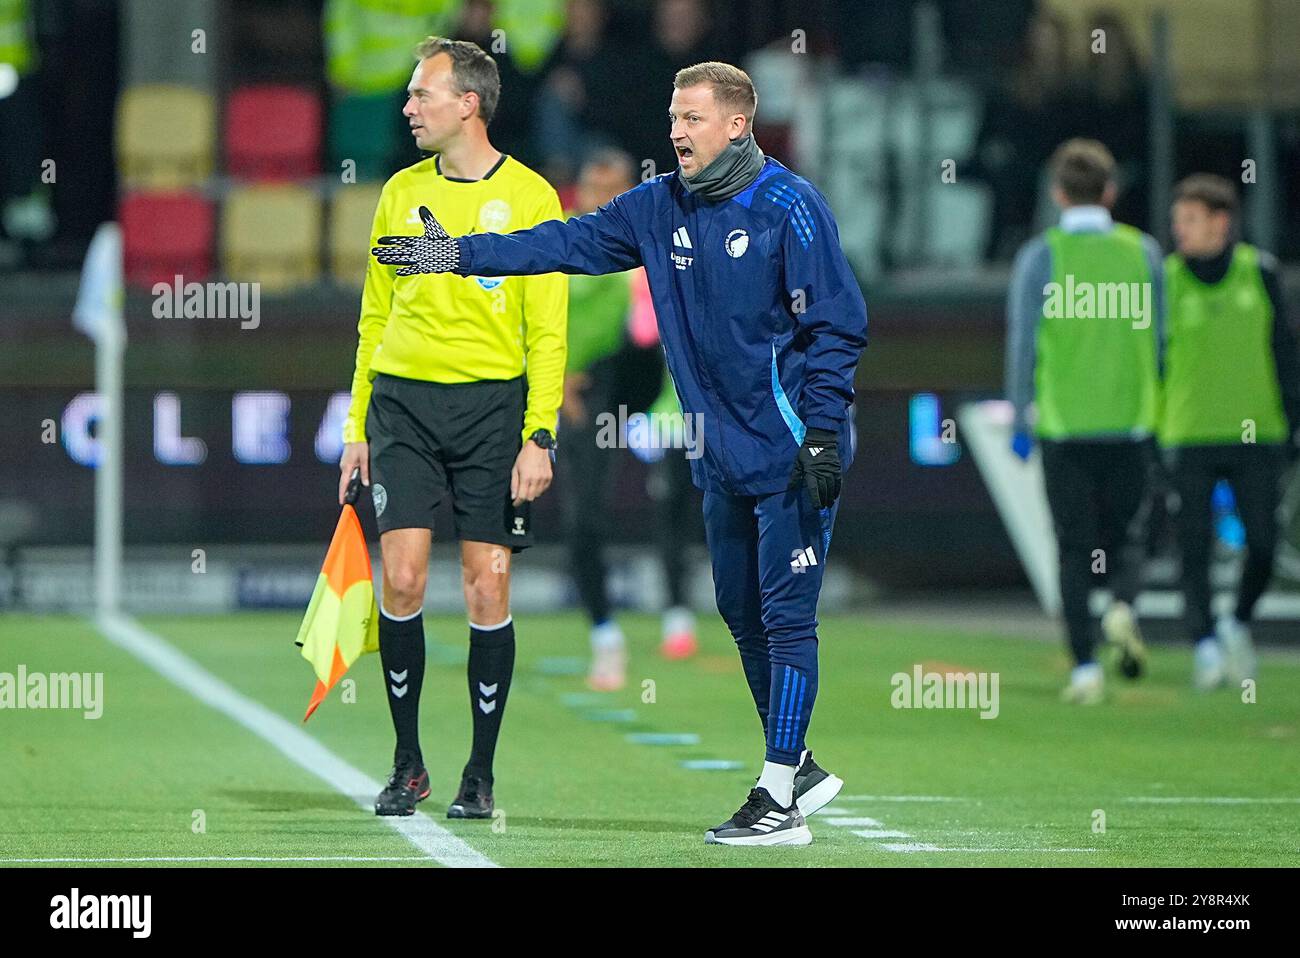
432	252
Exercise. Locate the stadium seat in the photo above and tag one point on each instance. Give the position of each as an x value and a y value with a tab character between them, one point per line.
966	210
166	235
270	234
273	132
165	137
161	40
352	213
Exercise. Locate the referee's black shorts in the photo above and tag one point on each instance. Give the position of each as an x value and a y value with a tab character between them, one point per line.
428	439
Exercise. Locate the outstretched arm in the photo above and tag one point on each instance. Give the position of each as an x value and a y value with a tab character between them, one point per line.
599	242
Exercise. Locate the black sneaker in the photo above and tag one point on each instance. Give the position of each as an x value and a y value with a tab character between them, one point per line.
474	800
408	784
814	787
761	821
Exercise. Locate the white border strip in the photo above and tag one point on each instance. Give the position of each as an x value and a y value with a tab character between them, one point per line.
295	744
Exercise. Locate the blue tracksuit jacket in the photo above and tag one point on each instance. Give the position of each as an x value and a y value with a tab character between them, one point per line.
761	319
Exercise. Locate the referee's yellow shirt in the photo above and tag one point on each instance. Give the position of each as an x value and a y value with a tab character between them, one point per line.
456	329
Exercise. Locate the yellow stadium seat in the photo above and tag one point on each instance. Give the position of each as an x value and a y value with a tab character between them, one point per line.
352	213
270	234
166	137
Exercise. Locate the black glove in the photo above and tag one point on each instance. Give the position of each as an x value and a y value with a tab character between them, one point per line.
432	252
817	466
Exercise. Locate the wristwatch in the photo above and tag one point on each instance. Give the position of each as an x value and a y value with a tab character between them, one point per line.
543	438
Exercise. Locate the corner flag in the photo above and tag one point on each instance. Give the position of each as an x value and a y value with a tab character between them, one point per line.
342	620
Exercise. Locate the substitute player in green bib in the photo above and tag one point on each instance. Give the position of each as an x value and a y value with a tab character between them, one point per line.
1083	318
1232	406
440	405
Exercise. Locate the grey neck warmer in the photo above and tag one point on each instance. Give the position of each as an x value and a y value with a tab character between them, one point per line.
729	172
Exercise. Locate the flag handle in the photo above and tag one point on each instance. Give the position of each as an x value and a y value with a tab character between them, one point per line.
354	488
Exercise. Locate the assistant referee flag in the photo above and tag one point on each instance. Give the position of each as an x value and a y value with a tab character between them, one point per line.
342	620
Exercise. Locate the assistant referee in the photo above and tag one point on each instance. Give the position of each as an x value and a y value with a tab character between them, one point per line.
440	405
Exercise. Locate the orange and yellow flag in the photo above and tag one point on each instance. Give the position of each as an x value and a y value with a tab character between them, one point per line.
342	620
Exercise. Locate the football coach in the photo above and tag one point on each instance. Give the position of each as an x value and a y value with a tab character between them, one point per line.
763	323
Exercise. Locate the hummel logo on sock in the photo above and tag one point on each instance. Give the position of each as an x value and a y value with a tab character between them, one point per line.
398	690
486	707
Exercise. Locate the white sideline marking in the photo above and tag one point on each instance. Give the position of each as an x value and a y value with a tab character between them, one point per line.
851	822
831	812
225	858
901	798
1212	800
879	833
907	847
291	741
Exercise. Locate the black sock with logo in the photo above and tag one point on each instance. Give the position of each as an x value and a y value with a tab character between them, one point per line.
491	665
401	648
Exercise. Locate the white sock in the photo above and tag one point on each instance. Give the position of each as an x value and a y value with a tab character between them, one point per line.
678	619
1086	673
779	782
606	636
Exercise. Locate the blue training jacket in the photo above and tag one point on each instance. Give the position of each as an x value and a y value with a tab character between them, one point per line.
761	319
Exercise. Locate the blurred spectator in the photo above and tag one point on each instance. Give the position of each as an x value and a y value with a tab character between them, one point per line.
1113	104
369	57
79	83
680	37
873	33
370	44
571	116
530	30
24	212
510	124
1024	120
981	37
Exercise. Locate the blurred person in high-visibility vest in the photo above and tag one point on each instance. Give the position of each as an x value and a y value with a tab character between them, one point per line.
1084	311
1231	410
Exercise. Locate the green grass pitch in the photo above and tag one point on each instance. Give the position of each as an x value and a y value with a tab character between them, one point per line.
576	787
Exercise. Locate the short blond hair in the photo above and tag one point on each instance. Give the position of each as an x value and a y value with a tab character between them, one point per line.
732	88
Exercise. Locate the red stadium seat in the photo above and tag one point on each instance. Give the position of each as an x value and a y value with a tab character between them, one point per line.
166	235
273	132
